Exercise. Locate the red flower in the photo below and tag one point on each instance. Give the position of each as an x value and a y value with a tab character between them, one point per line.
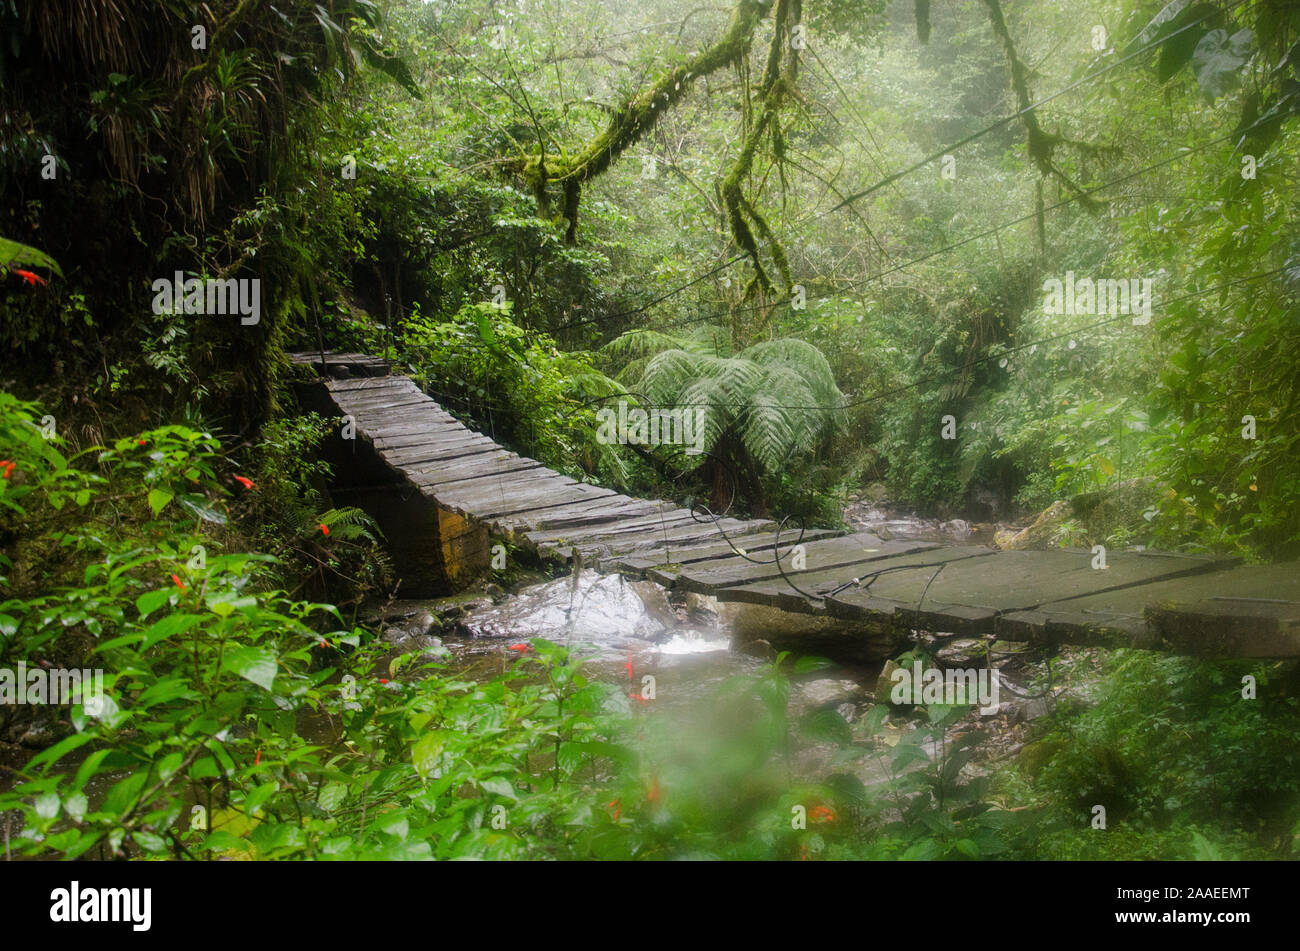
823	814
618	811
258	759
142	442
638	697
628	666
323	644
521	648
246	483
29	277
179	583
383	680
655	793
7	466
324	529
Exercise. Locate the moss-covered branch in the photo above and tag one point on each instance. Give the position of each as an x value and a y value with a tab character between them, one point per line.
1041	144
631	121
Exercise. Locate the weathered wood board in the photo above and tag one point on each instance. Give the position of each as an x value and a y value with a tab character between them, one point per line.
707	577
347	365
1160	601
1246	611
967	595
684	532
668	561
777	593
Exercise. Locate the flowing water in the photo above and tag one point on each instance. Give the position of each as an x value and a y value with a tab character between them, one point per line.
628	630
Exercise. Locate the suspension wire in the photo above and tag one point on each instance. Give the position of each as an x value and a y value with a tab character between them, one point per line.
1025	111
895	176
1083	193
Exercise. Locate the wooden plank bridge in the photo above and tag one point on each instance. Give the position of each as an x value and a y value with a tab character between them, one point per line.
442	492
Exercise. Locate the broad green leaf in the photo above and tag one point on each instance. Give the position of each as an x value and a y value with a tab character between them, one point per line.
427	751
332	796
251	663
1218	59
151	601
158	499
500	787
47	805
13	254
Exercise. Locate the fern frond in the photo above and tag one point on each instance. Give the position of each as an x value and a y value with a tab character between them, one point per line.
351	523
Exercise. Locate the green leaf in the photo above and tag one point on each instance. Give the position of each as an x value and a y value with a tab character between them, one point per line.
1218	59
332	796
393	67
13	254
158	499
1177	49
198	506
151	601
806	665
251	663
47	805
75	805
427	751
500	787
258	797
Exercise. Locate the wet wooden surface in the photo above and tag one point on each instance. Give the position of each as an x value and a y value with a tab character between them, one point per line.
1180	603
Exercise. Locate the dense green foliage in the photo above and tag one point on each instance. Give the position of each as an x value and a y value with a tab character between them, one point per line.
537	210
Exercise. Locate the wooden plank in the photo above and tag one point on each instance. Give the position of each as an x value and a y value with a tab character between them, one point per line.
966	596
369	383
346	390
828	553
425	436
388	429
612	527
419	460
669	560
649	536
578	492
516	523
372	394
1247	611
386	407
812	587
435	447
603	511
483	498
468	468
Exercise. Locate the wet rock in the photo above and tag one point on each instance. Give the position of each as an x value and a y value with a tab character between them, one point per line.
416	625
655	601
596	609
830	692
849	642
876	492
845	697
885	682
756	648
701	608
1041	534
962	652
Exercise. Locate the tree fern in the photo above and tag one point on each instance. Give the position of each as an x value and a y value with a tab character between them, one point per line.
773	401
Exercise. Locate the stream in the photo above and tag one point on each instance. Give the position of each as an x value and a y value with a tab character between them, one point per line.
628	629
